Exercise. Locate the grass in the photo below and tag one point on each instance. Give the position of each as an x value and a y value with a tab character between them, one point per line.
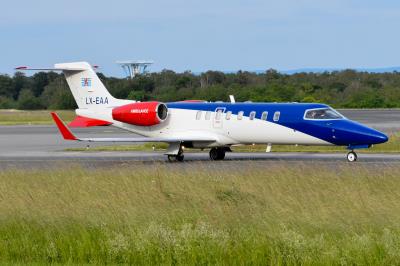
277	214
392	146
20	117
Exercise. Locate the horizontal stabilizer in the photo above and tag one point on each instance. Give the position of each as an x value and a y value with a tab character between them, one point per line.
50	69
76	66
81	121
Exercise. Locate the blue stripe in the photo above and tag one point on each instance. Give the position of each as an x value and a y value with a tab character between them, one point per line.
339	132
289	111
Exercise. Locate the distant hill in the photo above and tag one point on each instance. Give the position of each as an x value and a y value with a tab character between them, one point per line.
322	70
311	70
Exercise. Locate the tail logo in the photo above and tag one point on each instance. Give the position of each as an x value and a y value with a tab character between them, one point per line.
86	82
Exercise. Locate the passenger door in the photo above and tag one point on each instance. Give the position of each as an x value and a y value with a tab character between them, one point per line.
218	117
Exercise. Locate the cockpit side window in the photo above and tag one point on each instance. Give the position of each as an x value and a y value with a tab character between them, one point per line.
322	114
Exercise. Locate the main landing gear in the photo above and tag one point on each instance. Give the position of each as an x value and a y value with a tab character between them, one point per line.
352	156
175	152
217	154
176	158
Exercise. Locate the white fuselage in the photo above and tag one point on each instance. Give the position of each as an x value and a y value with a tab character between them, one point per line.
185	123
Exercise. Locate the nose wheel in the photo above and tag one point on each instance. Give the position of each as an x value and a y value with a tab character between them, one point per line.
352	156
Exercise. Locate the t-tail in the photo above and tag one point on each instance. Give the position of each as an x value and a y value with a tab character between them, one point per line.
86	87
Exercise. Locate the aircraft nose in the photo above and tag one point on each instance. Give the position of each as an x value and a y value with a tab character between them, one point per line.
379	137
373	136
358	134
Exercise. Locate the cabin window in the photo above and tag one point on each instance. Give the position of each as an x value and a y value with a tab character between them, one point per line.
277	114
240	115
218	115
228	115
252	115
264	116
198	115
208	115
322	113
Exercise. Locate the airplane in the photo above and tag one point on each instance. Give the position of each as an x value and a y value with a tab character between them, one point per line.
207	125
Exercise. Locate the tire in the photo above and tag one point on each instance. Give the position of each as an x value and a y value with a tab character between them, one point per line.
221	154
176	158
171	158
214	154
217	154
352	156
180	157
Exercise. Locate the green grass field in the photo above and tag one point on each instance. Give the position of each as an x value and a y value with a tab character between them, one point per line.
19	117
272	214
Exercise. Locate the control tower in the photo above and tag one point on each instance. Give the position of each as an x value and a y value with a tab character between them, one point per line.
135	67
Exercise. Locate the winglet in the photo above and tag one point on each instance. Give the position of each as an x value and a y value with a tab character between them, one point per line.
64	130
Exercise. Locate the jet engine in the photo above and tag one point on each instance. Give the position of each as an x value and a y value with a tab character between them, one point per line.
141	113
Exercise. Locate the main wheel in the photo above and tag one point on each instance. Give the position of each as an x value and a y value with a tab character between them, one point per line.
352	156
217	154
171	158
214	154
221	154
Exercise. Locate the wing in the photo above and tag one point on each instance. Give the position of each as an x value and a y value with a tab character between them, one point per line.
68	135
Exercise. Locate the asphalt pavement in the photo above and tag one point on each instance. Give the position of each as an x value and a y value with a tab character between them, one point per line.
26	146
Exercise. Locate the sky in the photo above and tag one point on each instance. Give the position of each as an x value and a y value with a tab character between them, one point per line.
225	35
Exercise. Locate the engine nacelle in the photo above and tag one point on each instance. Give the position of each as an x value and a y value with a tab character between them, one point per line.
141	114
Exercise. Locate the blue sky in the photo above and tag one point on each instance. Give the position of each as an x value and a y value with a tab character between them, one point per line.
201	35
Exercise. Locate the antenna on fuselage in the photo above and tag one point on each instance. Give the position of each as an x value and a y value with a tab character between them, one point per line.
232	98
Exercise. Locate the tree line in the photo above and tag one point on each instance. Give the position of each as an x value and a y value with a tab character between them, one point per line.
340	89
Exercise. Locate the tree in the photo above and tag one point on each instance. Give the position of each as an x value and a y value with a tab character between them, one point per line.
57	95
27	101
137	95
272	74
40	80
6	86
20	81
347	88
6	103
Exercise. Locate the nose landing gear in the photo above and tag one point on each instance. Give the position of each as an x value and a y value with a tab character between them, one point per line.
352	156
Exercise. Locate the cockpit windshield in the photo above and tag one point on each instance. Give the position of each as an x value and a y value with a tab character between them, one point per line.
322	113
